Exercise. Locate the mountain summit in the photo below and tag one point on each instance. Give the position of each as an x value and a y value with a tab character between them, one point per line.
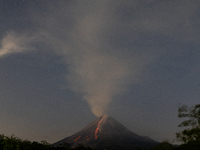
107	133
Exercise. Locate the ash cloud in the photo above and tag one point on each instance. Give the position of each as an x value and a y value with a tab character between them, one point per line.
99	77
97	70
97	40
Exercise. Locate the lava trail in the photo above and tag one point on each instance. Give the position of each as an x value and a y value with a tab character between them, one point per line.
77	138
97	129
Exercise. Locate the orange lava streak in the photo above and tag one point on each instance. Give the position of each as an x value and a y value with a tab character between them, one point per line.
77	138
87	137
97	129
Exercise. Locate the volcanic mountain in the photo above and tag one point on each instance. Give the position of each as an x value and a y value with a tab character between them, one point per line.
107	133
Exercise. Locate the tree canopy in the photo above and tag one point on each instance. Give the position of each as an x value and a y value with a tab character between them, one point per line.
192	124
15	143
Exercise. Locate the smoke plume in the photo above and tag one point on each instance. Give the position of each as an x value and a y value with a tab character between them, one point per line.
98	77
98	69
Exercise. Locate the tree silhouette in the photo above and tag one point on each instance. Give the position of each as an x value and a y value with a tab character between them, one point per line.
14	143
192	124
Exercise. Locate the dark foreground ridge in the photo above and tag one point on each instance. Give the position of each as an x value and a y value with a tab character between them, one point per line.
107	133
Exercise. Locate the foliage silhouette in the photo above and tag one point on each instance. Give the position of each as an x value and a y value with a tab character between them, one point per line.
14	143
192	131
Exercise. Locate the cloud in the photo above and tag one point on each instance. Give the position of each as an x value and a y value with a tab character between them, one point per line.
97	40
14	43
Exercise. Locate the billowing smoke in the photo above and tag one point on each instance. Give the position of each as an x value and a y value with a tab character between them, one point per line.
98	77
98	69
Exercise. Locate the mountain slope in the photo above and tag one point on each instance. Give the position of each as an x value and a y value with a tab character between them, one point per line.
107	133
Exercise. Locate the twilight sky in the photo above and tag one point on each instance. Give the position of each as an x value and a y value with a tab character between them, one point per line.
63	63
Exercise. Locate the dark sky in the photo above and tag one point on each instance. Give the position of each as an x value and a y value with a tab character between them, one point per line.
63	63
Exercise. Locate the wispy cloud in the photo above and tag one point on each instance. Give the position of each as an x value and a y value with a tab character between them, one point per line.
14	43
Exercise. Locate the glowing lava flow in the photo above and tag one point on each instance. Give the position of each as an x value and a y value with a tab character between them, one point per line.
87	137
77	138
97	129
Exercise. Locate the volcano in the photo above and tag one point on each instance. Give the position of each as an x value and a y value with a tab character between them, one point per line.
105	133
